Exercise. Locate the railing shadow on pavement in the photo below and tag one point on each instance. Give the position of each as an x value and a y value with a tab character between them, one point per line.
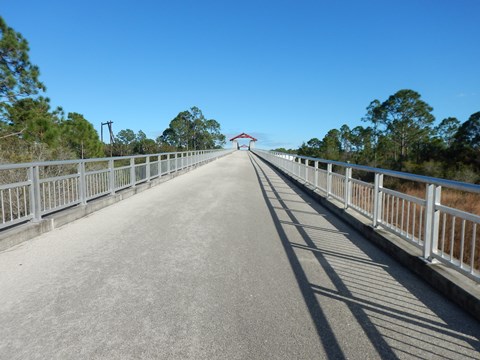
400	315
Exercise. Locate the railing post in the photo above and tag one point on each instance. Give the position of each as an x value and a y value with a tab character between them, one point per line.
35	202
306	171
432	220
329	180
315	175
111	172
348	187
168	163
82	183
377	199
147	168
436	219
133	178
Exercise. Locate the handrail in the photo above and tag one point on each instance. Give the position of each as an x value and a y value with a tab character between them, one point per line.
92	160
30	191
452	184
444	234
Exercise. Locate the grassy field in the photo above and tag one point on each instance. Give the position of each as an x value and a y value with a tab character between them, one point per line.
456	236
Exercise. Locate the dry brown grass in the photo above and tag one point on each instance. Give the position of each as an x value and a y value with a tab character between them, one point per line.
456	237
460	200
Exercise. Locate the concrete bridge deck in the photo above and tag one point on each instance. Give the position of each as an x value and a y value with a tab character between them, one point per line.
229	261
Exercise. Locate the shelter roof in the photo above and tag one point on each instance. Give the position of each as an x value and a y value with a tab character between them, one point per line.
243	136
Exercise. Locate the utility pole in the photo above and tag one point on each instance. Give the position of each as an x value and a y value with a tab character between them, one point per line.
112	137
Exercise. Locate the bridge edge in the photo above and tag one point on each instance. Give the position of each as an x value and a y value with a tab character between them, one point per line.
457	288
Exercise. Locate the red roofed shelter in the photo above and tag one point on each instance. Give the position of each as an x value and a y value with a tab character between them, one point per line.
251	145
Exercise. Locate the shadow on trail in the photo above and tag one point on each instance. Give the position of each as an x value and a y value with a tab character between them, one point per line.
400	317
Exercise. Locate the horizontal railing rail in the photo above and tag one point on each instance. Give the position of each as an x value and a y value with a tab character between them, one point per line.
30	191
448	235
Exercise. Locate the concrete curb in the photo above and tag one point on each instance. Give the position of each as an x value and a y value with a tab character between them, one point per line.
460	289
27	231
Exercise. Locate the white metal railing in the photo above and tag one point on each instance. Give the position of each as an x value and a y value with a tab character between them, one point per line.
30	191
446	234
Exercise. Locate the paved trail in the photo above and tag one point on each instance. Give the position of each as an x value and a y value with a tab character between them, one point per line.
228	261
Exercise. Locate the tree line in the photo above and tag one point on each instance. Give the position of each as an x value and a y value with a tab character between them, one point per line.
188	131
401	134
30	130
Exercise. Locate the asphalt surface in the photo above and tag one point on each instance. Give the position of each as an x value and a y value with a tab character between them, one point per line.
229	261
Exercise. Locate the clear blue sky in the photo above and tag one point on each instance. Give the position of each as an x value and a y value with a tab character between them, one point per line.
284	70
